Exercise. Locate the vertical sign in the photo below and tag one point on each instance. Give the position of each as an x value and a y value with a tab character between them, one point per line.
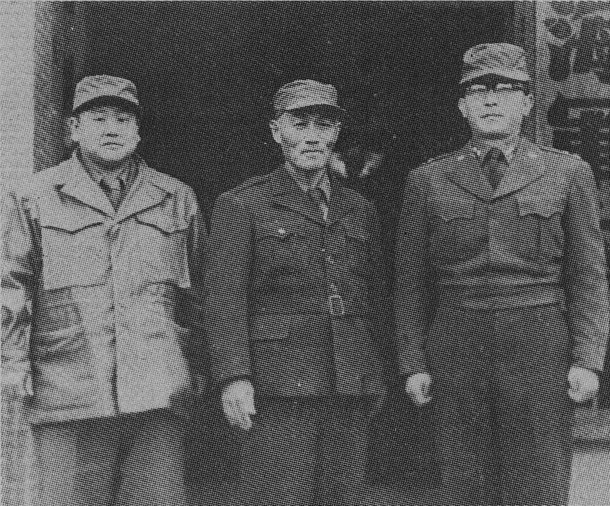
573	80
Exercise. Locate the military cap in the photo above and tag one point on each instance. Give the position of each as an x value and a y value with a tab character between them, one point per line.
500	59
94	90
306	93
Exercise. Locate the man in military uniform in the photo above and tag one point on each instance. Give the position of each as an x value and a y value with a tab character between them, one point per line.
501	300
294	313
102	263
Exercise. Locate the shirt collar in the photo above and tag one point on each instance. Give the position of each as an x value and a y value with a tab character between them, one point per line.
126	174
480	150
323	183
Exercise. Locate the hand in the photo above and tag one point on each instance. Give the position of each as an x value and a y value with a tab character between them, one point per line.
584	384
18	385
238	403
417	388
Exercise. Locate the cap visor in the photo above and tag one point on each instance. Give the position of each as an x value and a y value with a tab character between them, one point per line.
109	101
515	75
324	109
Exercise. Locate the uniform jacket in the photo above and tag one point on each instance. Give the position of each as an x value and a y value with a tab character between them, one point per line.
96	303
534	241
294	302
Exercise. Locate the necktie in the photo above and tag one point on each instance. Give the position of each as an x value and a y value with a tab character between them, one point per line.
319	197
114	188
494	166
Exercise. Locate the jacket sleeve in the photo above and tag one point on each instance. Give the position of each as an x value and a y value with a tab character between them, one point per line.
414	284
382	301
194	297
20	271
227	285
585	272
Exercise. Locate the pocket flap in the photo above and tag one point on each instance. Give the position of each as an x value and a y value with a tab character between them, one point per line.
67	218
541	207
164	221
270	327
276	230
451	209
356	231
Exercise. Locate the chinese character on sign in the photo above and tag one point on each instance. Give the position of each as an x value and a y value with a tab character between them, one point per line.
582	126
583	52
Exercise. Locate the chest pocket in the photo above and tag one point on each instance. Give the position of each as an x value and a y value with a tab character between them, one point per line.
358	247
454	234
74	249
283	245
162	255
541	236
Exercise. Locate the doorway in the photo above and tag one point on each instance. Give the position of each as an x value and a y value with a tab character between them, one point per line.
206	72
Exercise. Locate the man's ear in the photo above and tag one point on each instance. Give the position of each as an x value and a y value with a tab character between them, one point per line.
528	103
462	106
274	125
74	128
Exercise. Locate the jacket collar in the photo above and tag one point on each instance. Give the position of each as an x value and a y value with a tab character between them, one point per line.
148	189
526	166
286	193
76	182
466	174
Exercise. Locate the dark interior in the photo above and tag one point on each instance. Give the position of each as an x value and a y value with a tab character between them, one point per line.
206	73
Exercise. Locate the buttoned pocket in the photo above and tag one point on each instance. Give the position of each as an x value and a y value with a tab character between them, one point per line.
60	345
541	236
282	247
56	310
276	231
455	234
358	247
73	247
163	253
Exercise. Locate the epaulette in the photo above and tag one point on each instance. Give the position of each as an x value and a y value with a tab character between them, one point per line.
249	183
560	152
439	157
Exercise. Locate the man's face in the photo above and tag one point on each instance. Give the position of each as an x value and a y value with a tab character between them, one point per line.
307	138
107	135
495	109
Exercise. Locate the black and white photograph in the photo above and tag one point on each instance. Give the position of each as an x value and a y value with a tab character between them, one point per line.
305	253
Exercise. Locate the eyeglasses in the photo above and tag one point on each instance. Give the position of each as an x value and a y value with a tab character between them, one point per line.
479	90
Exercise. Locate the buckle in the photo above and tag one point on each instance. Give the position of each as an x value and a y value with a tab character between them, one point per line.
335	303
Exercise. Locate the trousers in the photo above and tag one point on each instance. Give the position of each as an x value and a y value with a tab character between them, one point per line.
502	412
128	460
305	451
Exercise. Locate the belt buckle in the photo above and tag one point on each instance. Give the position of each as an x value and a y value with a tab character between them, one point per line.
335	303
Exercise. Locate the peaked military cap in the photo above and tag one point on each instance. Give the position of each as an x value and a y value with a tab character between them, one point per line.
93	90
306	93
500	59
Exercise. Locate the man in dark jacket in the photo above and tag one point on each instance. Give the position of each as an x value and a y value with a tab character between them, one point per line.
295	313
102	261
501	299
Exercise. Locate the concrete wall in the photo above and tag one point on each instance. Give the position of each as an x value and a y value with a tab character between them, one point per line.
16	88
17	27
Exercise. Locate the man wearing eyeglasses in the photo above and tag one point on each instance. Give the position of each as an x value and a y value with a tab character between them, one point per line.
295	313
501	299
